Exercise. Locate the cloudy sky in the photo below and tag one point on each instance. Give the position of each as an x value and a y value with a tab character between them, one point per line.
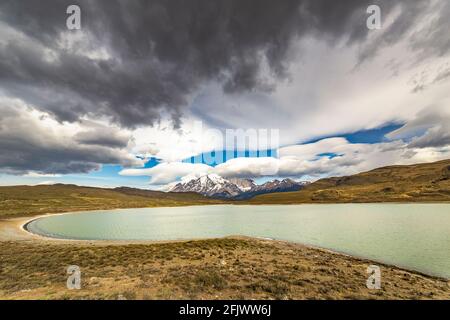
145	88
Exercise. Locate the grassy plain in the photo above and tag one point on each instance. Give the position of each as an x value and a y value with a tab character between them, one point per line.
228	268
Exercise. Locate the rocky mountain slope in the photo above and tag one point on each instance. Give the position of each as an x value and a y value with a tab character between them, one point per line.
274	186
210	185
215	186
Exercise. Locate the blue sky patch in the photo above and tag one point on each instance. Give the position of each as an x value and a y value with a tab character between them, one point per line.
213	158
329	155
370	136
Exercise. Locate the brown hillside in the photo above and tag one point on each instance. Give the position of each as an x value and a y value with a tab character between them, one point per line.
29	200
409	183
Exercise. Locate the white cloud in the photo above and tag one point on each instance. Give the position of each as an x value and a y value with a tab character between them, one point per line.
168	172
248	167
169	144
301	161
41	175
47	183
328	95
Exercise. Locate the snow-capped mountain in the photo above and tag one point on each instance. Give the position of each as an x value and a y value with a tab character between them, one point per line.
243	184
284	185
213	185
210	185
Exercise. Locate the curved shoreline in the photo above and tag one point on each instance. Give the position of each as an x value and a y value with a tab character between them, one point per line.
101	242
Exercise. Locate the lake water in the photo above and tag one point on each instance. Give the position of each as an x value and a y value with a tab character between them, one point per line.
414	236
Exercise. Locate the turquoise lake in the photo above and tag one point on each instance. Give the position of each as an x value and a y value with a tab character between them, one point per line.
413	236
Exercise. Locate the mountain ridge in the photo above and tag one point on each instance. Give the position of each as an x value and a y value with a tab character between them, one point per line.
425	182
214	186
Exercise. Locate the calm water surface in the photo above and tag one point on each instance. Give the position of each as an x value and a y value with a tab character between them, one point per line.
414	236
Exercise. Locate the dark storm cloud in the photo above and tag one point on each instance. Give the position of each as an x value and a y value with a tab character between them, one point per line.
432	40
438	136
435	125
102	136
429	129
435	40
27	146
161	51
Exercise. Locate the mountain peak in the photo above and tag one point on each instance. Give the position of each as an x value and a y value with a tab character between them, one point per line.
213	185
243	184
212	177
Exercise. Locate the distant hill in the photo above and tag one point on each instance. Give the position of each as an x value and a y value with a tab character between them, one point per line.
29	200
426	182
410	183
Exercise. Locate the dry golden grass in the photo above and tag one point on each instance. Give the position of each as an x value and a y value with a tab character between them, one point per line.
211	269
19	201
231	268
428	182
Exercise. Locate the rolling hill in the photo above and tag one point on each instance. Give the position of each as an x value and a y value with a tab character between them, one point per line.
425	182
18	201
